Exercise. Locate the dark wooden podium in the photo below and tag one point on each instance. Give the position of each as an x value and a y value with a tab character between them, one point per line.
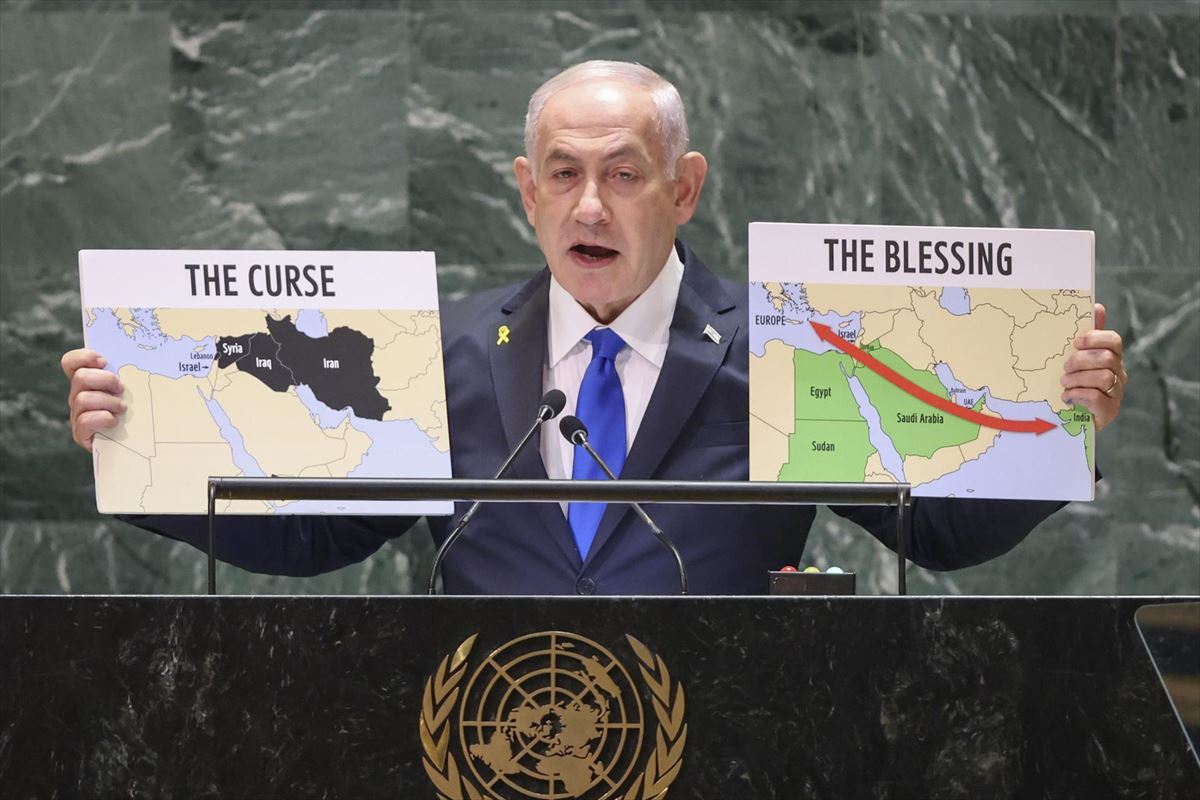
416	697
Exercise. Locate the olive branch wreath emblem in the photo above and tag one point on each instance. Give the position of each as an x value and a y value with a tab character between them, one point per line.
442	693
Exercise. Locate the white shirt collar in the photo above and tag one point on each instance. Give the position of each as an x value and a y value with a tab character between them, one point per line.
645	325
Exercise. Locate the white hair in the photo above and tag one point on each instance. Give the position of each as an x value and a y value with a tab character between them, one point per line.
668	105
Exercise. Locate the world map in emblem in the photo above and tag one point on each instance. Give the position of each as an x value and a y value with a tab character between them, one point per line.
551	715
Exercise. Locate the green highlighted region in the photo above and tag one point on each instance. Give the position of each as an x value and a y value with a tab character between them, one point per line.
828	451
821	389
831	442
915	427
1079	420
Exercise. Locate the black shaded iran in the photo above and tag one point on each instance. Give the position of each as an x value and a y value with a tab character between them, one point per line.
336	367
351	383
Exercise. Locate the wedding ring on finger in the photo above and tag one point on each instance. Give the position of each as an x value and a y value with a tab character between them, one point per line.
1111	386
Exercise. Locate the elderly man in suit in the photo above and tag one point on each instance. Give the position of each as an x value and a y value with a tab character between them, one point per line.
616	321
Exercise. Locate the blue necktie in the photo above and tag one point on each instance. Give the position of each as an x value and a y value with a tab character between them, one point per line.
601	407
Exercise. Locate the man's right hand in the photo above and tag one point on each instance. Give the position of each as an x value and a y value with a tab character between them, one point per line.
94	397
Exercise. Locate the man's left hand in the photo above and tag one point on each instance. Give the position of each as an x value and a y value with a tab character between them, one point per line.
1094	375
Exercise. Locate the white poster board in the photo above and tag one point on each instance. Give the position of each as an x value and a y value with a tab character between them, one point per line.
930	356
266	363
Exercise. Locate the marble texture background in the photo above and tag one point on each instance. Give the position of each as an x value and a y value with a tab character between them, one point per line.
368	124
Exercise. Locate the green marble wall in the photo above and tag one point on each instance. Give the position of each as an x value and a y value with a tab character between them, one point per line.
392	125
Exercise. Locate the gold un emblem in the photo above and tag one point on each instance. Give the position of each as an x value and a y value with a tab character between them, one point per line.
552	716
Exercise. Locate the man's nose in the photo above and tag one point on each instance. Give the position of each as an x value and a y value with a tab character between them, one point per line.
590	210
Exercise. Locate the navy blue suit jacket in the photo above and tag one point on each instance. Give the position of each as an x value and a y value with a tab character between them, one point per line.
695	428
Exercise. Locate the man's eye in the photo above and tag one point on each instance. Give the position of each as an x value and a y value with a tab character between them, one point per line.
626	175
564	174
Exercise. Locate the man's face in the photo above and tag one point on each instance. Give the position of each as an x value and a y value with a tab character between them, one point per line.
603	208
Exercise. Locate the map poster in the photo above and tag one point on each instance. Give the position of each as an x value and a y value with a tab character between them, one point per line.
243	363
929	356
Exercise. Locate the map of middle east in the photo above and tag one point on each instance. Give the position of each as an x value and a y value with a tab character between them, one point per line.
294	392
955	391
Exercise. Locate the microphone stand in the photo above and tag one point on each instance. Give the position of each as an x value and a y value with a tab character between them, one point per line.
579	437
544	413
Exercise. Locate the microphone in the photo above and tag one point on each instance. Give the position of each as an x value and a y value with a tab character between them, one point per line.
575	432
552	405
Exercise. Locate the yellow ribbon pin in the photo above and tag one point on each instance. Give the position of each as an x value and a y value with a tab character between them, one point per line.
502	335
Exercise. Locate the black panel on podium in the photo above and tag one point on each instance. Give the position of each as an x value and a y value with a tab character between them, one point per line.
188	697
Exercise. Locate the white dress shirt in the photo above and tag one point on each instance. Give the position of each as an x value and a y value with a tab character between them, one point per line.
644	326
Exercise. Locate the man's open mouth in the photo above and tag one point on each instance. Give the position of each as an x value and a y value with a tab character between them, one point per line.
593	253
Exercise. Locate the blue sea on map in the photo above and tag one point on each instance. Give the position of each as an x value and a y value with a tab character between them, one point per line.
960	393
242	459
146	347
888	453
326	417
1052	466
1047	467
795	330
760	305
955	300
312	322
398	449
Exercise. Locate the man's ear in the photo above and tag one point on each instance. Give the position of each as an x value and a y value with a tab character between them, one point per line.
524	172
691	169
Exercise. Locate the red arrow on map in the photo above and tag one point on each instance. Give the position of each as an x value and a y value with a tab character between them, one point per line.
1038	426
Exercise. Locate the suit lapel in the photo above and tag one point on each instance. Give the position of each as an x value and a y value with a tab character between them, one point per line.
691	362
517	377
517	348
